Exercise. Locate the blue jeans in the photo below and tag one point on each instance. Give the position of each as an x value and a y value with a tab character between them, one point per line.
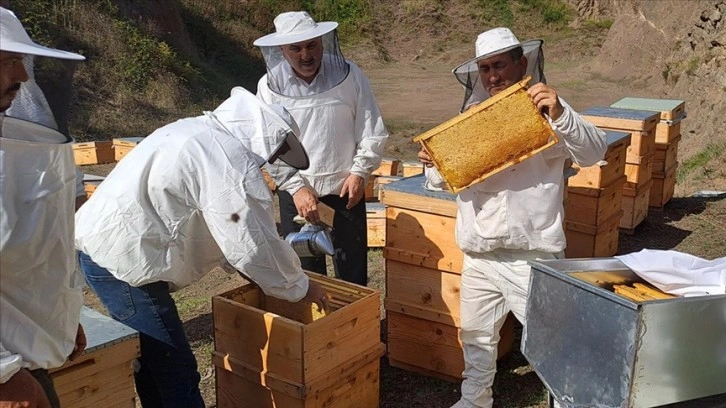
168	375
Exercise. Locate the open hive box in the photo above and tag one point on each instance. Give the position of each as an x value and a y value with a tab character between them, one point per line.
273	353
486	139
594	347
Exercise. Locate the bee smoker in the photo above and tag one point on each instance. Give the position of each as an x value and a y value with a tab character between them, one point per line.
311	241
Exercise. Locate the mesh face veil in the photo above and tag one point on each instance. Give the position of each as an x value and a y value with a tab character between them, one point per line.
468	73
333	69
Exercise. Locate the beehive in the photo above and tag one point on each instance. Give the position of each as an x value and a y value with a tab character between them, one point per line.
123	145
499	132
103	375
376	222
272	353
93	153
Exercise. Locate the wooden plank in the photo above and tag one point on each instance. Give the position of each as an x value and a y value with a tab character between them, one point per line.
340	337
110	387
388	167
263	340
422	292
635	205
663	187
393	198
594	206
640	173
370	194
93	153
382	181
422	239
590	242
426	344
621	119
376	232
600	176
326	214
412	168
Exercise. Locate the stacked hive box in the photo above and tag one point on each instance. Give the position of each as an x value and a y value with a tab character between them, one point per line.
638	160
593	207
667	136
123	145
423	266
412	168
272	353
103	375
93	153
376	217
387	168
91	183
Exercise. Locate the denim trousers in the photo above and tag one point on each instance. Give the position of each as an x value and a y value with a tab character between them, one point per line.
167	374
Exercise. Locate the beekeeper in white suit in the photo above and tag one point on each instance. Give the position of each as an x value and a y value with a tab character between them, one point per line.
189	197
514	216
40	292
341	128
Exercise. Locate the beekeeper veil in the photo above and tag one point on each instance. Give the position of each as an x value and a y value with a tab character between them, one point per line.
488	44
268	131
296	27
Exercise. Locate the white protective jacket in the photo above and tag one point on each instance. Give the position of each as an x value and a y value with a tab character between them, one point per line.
189	196
40	290
341	129
521	207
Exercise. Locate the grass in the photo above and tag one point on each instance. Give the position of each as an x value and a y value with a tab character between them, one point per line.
715	152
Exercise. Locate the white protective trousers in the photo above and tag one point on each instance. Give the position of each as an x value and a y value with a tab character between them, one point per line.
492	284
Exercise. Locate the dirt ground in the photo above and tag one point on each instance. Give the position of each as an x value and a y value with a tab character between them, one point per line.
415	96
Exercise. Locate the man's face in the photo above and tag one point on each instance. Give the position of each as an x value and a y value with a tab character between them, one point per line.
12	74
501	71
305	57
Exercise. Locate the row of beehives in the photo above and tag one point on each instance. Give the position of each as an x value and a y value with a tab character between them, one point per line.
638	173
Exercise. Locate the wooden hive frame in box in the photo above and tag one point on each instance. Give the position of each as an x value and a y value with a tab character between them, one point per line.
488	138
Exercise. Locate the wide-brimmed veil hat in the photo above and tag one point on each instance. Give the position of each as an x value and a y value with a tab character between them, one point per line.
293	27
14	38
495	42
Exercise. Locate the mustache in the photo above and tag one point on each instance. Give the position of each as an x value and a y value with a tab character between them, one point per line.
15	87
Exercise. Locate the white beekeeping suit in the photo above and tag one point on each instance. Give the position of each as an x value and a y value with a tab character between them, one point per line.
40	296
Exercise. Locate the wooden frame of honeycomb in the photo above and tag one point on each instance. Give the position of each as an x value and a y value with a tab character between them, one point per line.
486	139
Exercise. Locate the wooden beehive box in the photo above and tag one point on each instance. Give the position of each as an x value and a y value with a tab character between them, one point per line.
613	168
271	353
635	205
93	153
488	138
388	167
376	221
381	181
666	155
423	266
668	109
412	168
592	241
594	206
91	183
640	124
123	145
102	376
664	185
640	170
370	191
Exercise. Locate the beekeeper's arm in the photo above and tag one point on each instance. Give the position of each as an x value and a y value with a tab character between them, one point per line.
585	143
16	383
237	209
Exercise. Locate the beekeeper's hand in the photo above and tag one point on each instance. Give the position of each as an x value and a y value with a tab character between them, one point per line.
80	343
546	100
354	186
306	203
423	157
316	294
22	390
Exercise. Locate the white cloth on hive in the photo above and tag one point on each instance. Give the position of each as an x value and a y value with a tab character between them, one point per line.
678	273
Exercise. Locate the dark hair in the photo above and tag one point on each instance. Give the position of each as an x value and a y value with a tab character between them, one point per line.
516	54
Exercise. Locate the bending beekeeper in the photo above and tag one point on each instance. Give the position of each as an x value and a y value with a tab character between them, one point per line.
340	126
517	214
189	197
40	291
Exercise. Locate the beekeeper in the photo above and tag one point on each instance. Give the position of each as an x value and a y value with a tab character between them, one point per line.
517	214
188	198
341	128
40	292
